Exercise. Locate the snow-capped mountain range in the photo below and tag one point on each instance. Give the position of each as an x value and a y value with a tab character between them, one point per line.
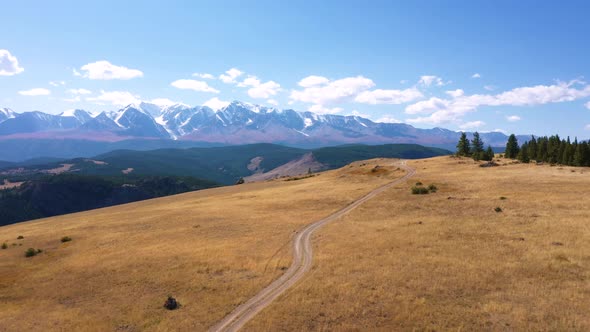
237	123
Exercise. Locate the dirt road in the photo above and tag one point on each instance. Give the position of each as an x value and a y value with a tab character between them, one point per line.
302	262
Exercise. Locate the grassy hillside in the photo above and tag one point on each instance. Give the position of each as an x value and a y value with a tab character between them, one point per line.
442	261
338	156
211	249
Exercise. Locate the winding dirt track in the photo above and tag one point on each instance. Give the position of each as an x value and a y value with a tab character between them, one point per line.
302	262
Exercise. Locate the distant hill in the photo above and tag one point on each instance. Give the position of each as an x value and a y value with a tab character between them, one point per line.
67	193
223	165
338	156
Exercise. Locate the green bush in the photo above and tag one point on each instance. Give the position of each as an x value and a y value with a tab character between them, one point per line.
498	209
432	188
4	245
31	252
66	239
502	197
20	237
418	183
419	190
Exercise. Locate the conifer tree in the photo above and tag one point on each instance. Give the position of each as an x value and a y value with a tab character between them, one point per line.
523	154
463	146
488	154
511	147
477	147
579	155
533	148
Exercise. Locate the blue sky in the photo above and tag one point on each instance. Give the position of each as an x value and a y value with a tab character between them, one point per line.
476	65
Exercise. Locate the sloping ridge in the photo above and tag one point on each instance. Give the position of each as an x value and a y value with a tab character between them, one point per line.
297	166
302	262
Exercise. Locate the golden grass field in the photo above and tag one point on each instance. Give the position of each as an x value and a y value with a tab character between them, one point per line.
211	249
444	261
447	261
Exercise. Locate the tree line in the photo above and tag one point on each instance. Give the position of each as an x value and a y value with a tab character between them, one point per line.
474	149
552	149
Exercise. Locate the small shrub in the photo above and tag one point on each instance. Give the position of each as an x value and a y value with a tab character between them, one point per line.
4	245
432	188
419	191
418	183
20	237
503	198
171	303
66	239
30	252
498	209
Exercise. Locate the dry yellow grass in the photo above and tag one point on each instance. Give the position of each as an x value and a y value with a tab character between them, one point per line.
211	249
447	261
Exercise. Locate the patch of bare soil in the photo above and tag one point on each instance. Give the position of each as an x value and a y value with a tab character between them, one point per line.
292	168
127	171
97	162
254	165
58	170
9	185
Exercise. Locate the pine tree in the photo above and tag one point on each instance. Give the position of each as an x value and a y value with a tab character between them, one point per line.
511	147
488	154
533	148
523	154
463	146
579	155
476	147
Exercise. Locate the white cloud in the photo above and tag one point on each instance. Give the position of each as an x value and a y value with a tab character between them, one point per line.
230	75
403	82
428	80
334	91
117	98
258	89
513	118
489	87
388	119
472	125
57	83
587	127
215	103
79	91
393	97
320	109
272	102
456	93
194	85
452	110
476	75
500	131
313	80
104	70
204	75
9	64
35	92
587	105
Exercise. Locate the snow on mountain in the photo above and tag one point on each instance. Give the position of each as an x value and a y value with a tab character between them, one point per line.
6	113
236	123
81	115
